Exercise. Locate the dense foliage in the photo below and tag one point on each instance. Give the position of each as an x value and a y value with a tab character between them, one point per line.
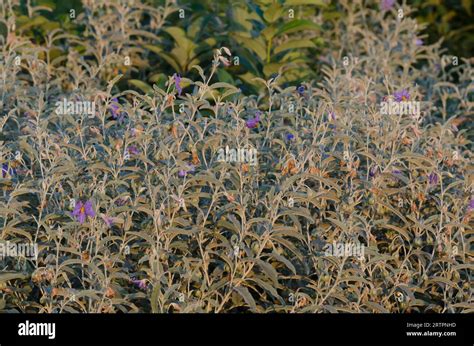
134	209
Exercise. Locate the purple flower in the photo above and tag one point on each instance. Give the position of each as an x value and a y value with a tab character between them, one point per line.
136	131
177	83
290	136
300	89
471	205
419	42
82	210
114	108
121	201
386	5
190	169
108	220
133	150
7	170
4	169
403	95
372	171
433	178
140	283
252	123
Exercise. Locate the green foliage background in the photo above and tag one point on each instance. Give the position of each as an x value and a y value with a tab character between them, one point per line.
259	32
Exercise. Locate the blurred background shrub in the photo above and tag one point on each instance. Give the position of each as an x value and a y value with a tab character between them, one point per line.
266	37
451	19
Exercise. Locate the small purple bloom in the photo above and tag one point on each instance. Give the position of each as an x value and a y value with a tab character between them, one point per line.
433	178
114	108
4	169
419	42
386	5
401	96
177	83
301	89
121	201
7	170
184	172
252	123
372	171
471	205
290	136
82	210
140	283
133	150
108	220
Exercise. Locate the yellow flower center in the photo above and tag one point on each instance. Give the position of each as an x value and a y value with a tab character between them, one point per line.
83	210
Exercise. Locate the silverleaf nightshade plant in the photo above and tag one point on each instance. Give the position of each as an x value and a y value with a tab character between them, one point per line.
82	210
230	236
253	123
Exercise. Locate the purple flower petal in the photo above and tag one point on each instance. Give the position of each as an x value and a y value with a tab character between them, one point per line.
89	211
77	209
252	123
401	96
373	171
108	221
121	201
4	169
133	150
177	83
471	205
140	283
81	218
7	170
433	179
114	108
386	5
